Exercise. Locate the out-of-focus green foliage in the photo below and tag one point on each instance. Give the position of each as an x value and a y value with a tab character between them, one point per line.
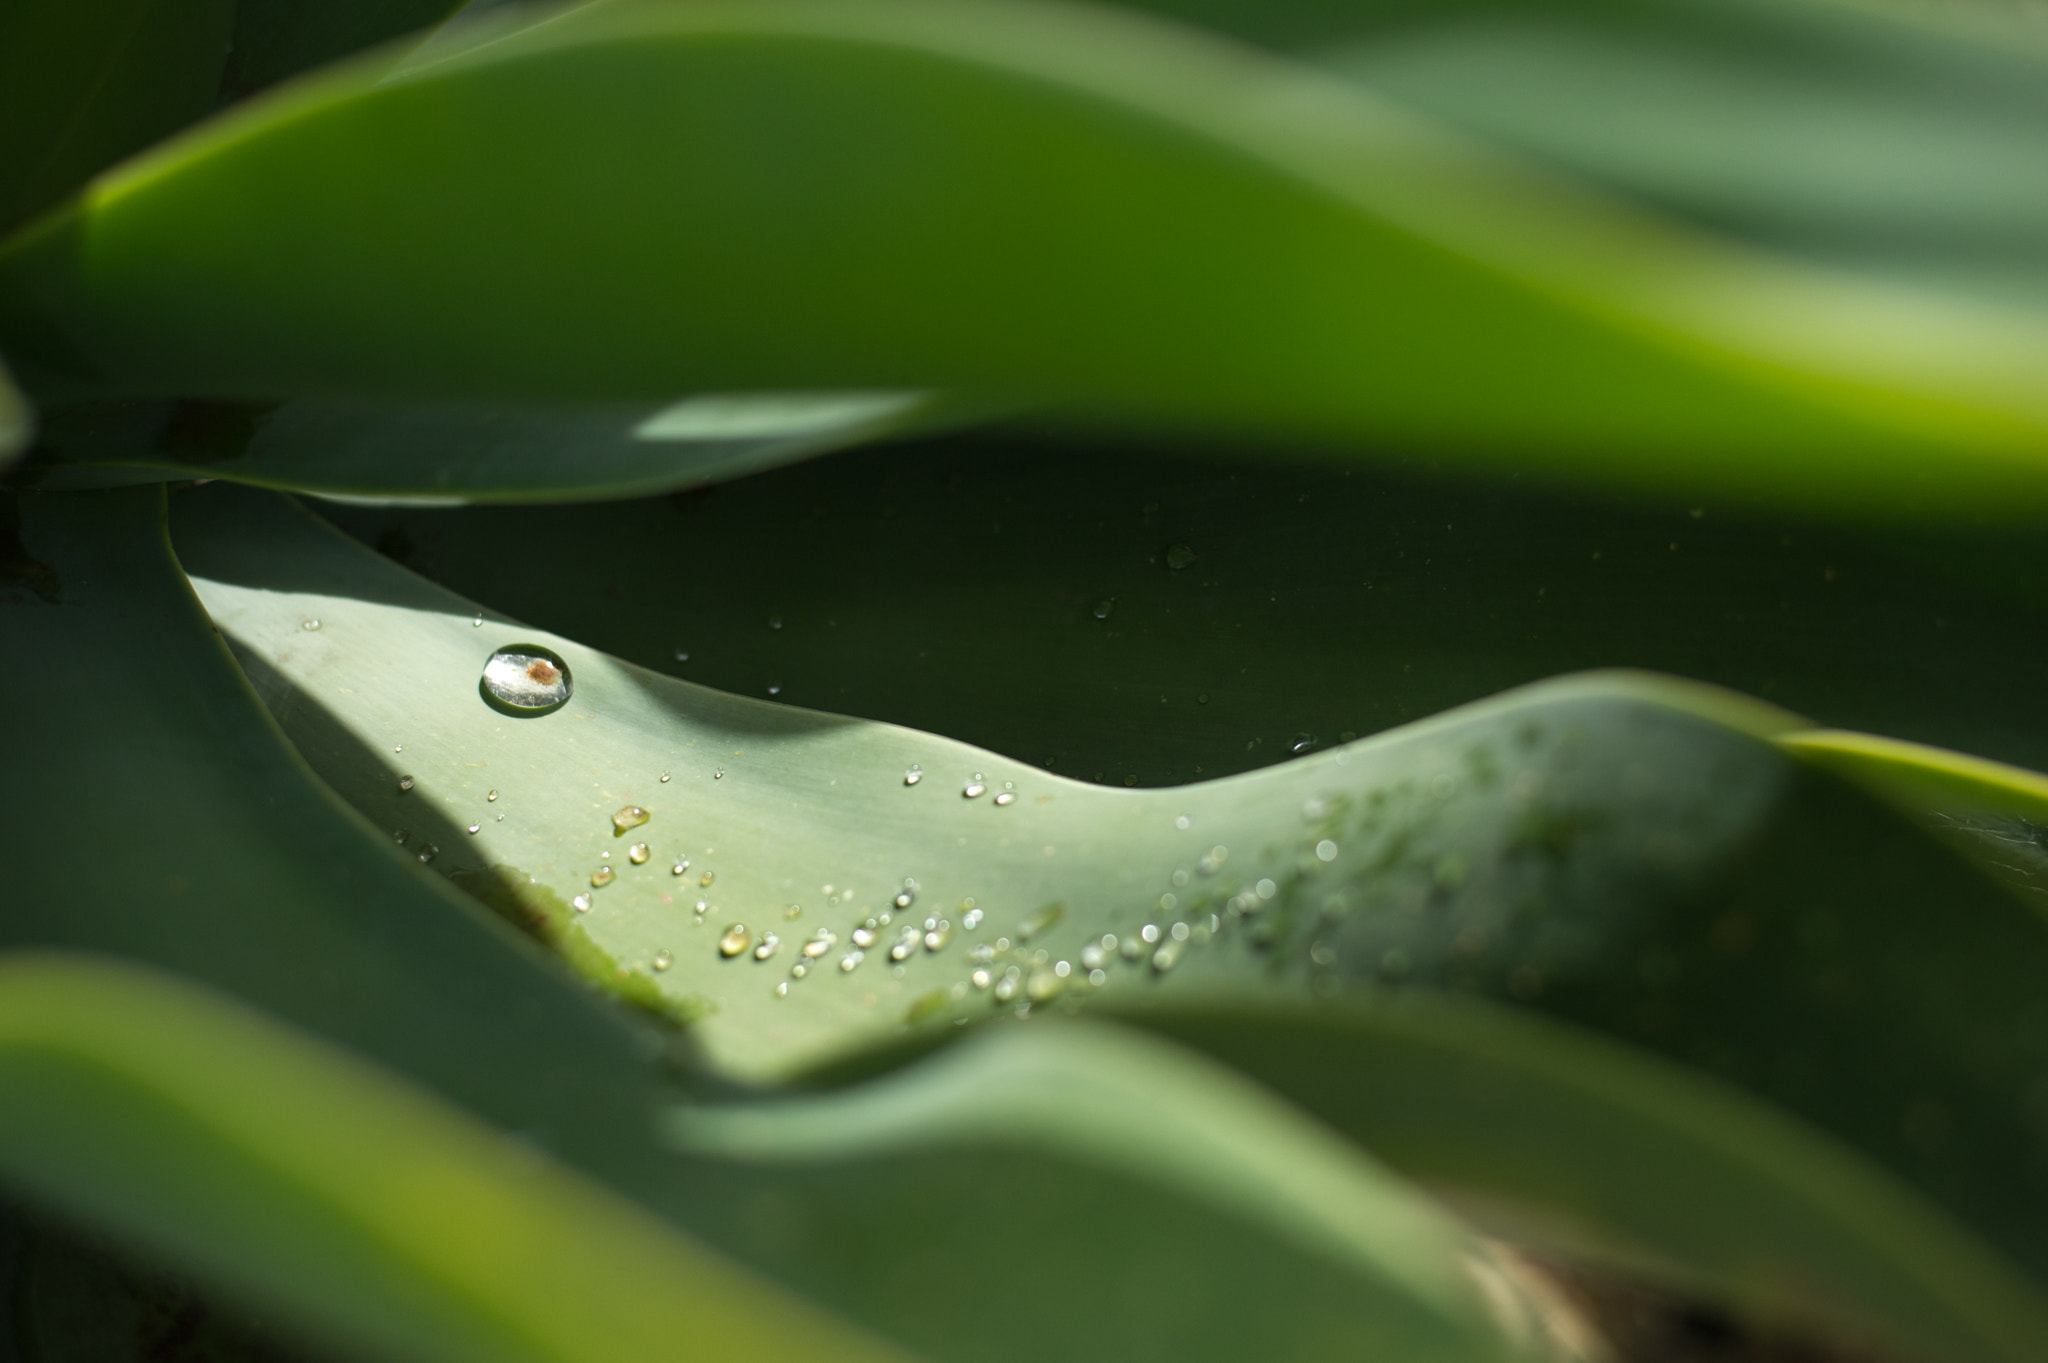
1360	370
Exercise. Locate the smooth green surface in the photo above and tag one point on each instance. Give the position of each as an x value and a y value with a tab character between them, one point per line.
369	1213
1624	855
425	454
84	83
1181	229
173	825
952	586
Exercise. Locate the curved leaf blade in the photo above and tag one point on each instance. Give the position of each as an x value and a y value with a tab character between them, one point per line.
1146	238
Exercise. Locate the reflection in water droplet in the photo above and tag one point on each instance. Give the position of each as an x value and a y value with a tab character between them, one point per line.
477	623
852	959
769	943
476	828
527	679
1168	956
982	955
734	940
429	852
632	816
1062	969
405	783
682	655
602	877
637	853
935	938
913	776
309	625
1326	850
581	903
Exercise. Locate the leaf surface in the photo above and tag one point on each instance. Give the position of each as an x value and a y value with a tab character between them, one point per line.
1619	855
1180	229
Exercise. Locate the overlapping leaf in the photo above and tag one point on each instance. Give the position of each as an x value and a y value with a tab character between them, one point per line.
1625	857
995	199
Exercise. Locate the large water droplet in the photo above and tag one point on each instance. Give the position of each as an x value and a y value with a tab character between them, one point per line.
602	877
526	679
982	978
734	940
632	816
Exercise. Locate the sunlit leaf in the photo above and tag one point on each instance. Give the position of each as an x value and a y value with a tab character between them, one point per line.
807	196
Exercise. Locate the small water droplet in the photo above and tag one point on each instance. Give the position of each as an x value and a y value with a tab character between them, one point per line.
767	948
1202	699
799	970
865	935
702	905
581	903
1302	743
971	919
1098	978
1322	953
501	818
662	960
399	748
775	622
1008	797
1168	955
719	774
706	878
1213	859
1149	933
476	828
906	944
664	778
974	789
936	937
405	783
852	959
1326	850
637	853
913	776
1179	556
492	797
1010	985
982	955
982	977
1043	985
399	836
782	989
819	944
1181	878
794	911
734	940
1183	823
1169	902
774	688
309	625
682	865
905	898
682	655
526	679
632	816
602	877
1179	932
429	852
1103	608
1062	969
1133	949
1266	889
1130	780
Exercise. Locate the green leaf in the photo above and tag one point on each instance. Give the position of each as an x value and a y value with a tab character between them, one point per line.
1621	855
366	1210
171	824
1179	229
17	421
84	83
441	454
